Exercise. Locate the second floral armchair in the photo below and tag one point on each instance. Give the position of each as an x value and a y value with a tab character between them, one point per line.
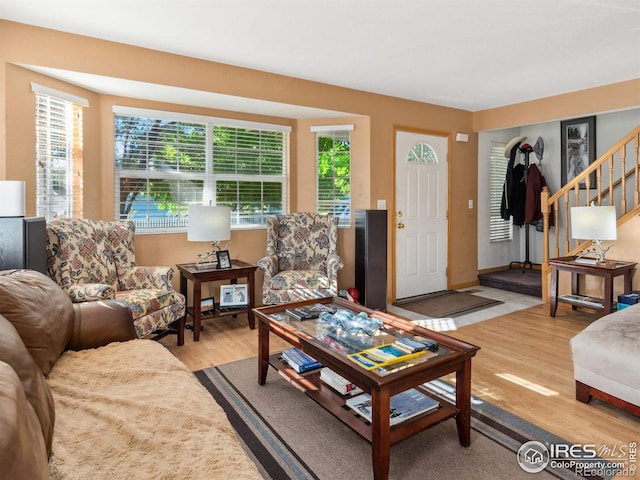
302	260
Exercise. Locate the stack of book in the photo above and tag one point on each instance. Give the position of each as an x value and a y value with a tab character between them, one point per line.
309	312
300	361
339	383
416	345
587	301
404	405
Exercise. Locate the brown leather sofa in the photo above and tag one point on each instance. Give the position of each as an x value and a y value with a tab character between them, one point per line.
30	343
46	432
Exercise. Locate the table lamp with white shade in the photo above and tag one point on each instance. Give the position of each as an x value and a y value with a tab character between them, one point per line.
209	223
12	201
595	223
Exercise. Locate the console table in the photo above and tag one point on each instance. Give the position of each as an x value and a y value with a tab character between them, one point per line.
608	270
238	269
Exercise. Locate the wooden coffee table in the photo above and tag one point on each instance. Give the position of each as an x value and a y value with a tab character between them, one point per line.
313	338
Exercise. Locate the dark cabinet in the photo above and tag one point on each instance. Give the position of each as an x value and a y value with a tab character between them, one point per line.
23	243
371	258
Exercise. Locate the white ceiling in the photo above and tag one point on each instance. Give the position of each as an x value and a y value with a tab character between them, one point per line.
468	54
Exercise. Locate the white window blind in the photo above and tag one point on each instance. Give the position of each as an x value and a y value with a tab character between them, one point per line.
333	153
165	165
58	155
499	229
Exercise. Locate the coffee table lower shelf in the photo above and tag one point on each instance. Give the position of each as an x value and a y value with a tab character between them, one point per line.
335	404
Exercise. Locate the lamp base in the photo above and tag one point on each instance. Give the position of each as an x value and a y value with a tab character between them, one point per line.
596	249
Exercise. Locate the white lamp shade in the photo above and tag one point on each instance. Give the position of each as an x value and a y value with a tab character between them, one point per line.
593	223
12	198
208	223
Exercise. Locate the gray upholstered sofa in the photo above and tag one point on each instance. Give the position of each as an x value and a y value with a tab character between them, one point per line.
115	407
606	356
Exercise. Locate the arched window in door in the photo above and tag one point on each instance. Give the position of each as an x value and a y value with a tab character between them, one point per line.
422	153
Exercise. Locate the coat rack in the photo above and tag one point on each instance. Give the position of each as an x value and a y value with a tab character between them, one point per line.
525	149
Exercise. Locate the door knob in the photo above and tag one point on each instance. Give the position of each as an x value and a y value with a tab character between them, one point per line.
401	225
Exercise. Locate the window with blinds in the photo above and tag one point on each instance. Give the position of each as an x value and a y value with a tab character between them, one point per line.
58	154
333	153
499	229
165	162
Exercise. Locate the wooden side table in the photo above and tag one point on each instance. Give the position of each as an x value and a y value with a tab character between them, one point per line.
239	269
608	270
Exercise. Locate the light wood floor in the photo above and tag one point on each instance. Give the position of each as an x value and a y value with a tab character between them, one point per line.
524	367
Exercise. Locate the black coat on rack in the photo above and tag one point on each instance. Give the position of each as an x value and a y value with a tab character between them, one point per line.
514	194
515	187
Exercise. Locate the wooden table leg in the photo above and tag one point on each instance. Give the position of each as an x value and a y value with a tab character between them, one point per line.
183	320
553	305
197	320
263	352
575	287
463	403
234	281
380	433
252	300
608	293
628	278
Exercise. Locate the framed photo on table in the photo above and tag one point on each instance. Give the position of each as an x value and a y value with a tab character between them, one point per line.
578	148
224	260
235	295
207	305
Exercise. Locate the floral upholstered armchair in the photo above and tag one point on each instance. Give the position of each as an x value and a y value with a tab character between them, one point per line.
95	260
302	259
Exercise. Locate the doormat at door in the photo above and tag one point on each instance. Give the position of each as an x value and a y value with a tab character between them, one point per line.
447	303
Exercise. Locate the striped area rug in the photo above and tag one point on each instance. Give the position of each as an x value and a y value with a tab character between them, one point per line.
290	437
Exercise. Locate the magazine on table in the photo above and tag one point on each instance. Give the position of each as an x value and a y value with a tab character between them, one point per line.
382	355
404	405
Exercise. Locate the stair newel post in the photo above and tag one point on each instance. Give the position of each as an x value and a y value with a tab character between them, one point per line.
544	204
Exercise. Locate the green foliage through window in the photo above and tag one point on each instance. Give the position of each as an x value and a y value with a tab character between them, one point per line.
164	165
334	174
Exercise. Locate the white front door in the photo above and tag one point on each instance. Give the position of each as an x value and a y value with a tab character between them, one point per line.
421	213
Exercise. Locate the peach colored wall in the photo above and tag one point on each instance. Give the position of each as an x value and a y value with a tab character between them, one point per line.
613	97
37	46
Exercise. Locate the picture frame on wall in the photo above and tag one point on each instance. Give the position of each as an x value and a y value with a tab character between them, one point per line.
577	148
234	295
224	260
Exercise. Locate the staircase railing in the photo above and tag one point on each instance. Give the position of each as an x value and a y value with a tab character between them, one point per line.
617	182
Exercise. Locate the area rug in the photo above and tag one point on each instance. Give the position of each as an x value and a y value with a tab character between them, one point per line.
447	303
291	437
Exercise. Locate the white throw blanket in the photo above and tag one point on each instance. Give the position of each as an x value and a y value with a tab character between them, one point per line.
133	411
